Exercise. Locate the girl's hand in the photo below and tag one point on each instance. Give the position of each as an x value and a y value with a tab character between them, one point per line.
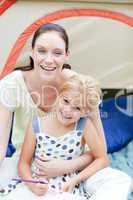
51	167
69	185
38	188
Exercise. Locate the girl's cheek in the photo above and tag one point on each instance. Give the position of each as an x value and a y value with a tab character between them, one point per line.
78	116
75	117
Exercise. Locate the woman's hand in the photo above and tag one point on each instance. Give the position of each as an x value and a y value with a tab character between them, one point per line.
51	167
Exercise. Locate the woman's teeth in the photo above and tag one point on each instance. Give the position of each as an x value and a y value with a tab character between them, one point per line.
48	68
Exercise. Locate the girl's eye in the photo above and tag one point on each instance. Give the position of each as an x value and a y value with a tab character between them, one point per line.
66	101
78	108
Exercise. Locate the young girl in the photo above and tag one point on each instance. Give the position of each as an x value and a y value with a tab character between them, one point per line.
61	134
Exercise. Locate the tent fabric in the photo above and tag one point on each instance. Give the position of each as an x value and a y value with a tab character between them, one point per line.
15	52
4	5
94	48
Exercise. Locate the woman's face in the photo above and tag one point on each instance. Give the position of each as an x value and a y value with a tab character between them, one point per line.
49	55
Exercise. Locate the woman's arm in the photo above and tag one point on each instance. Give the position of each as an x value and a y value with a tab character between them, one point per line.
97	147
96	144
97	123
5	126
49	167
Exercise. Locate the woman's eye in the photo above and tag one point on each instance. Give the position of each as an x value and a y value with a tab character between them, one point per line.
58	53
41	51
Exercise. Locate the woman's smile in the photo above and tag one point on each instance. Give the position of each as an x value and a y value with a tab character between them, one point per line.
49	69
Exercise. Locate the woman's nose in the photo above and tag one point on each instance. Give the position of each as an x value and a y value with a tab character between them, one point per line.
48	58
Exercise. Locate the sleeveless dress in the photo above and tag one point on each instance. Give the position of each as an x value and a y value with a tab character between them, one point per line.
67	147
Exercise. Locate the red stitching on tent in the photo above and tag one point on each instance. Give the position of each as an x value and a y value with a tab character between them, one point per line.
16	50
5	5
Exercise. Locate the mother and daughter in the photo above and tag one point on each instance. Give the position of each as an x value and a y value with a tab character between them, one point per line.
57	109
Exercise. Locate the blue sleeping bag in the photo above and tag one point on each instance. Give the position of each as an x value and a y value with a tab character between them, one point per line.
117	119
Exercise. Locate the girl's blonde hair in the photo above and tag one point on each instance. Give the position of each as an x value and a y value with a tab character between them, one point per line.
88	89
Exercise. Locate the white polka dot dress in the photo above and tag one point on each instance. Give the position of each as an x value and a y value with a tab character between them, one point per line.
67	147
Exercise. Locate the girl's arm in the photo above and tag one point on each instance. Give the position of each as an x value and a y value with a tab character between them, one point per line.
27	153
24	163
5	126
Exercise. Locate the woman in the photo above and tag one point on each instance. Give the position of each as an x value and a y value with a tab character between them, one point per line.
33	90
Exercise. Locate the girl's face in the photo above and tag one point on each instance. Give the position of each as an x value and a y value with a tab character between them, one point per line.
49	55
69	108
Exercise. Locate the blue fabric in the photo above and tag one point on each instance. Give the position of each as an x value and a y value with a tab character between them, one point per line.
118	126
10	149
131	196
81	124
35	125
